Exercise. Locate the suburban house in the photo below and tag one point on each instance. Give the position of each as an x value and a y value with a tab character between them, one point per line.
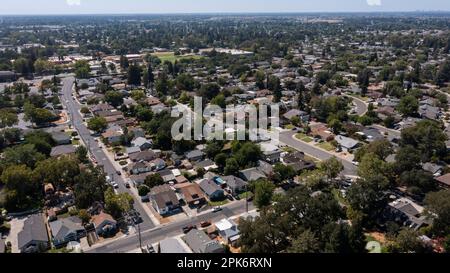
61	138
297	161
434	169
140	167
157	164
138	179
171	245
142	143
163	199
7	76
113	135
228	230
104	223
251	174
33	237
66	230
271	153
211	189
407	213
206	164
301	115
62	150
167	176
199	242
147	155
195	155
235	184
193	195
444	180
132	150
346	142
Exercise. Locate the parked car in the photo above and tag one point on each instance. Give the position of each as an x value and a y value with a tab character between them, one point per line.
216	209
127	185
205	224
186	229
119	173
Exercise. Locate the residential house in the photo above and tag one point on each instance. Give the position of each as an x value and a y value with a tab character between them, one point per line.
199	242
193	195
167	176
346	142
228	230
104	224
137	132
61	138
138	179
321	130
301	115
66	230
163	199
434	169
113	134
211	189
235	184
195	155
171	245
142	143
271	153
33	237
132	150
251	174
140	167
62	150
444	181
297	161
145	156
407	213
7	76
207	165
157	164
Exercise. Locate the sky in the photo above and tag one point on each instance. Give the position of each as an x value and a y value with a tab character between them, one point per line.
8	7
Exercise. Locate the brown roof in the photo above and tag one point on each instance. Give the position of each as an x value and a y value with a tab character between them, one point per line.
153	101
444	179
192	193
97	220
164	195
181	179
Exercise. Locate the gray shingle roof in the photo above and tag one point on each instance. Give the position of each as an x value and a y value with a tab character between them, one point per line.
33	230
199	242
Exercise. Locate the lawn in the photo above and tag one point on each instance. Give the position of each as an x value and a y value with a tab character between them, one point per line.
326	146
170	56
289	127
304	137
218	203
244	195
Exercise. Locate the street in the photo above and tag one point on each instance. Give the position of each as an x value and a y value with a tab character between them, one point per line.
287	138
73	108
151	236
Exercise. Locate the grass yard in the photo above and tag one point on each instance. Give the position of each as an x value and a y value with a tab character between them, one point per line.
303	137
218	203
289	127
326	146
244	195
170	56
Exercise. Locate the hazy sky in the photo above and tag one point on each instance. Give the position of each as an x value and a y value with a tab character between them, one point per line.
202	6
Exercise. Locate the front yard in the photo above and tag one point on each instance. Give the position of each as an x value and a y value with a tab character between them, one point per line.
303	137
326	146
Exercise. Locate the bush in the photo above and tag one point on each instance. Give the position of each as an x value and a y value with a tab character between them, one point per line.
123	163
143	190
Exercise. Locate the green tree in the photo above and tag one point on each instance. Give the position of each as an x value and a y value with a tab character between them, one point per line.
117	204
134	75
438	208
154	180
306	242
263	193
408	106
332	167
8	118
231	166
114	98
82	69
97	124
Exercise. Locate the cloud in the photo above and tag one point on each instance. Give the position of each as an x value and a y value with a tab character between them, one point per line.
73	2
374	3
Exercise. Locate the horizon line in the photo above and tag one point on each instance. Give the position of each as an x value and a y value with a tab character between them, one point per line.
227	13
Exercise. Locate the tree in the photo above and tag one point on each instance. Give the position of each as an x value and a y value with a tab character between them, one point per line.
41	66
332	167
208	91
371	166
438	208
154	180
60	172
82	69
162	84
381	148
274	85
306	242
247	154
221	160
213	148
427	137
97	124
263	193
8	118
185	82
42	141
81	153
134	75
407	158
38	116
407	241
283	172
84	216
117	204
89	187
124	63
408	106
219	100
260	77
231	166
143	190
114	98
21	190
23	154
138	95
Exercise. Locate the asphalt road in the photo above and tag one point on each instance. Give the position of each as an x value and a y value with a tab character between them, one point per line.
73	108
287	138
151	236
361	106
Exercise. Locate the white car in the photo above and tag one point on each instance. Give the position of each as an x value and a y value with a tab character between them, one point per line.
216	209
356	163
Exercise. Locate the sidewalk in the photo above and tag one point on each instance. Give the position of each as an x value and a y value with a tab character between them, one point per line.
344	156
133	190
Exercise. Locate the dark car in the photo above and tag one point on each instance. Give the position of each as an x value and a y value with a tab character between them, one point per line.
119	173
205	224
127	185
186	229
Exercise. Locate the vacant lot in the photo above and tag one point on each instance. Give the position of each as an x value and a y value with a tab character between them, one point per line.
171	57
